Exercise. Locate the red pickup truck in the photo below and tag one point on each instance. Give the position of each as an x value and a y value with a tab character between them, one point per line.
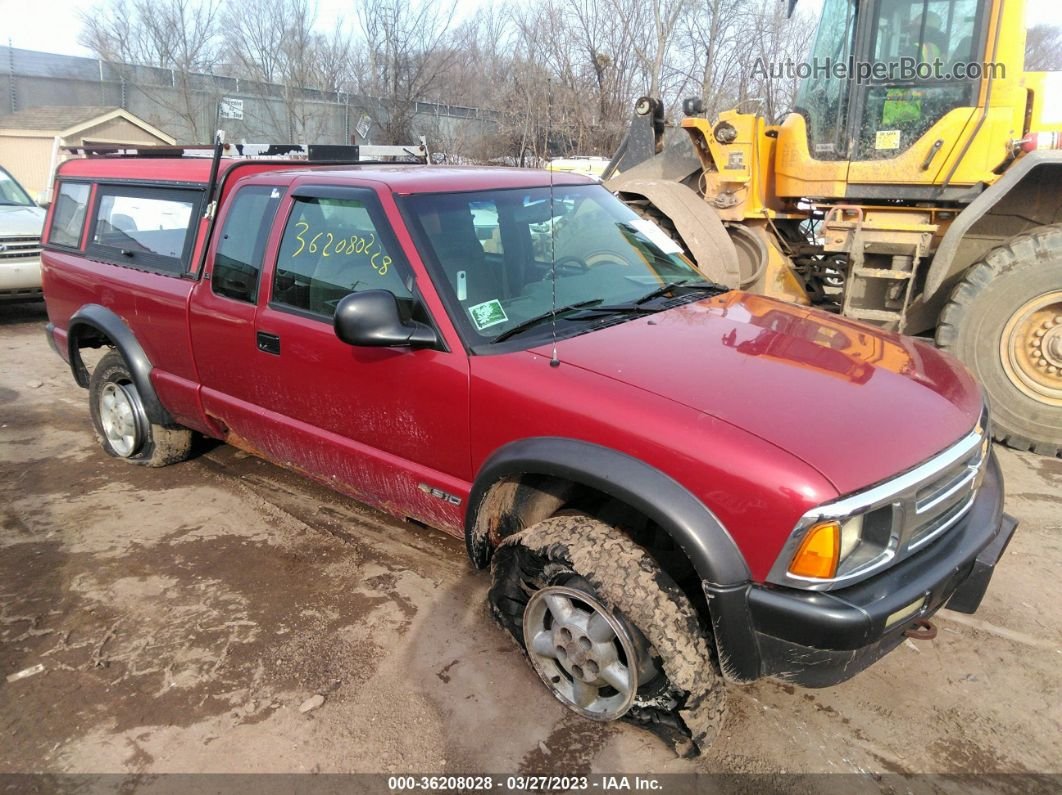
674	484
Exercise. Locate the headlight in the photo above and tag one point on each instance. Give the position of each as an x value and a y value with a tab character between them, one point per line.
851	533
834	548
840	547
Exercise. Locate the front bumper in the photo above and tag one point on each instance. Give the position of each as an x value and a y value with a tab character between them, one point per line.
821	638
20	278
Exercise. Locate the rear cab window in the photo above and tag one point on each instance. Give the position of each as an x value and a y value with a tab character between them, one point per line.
68	217
144	227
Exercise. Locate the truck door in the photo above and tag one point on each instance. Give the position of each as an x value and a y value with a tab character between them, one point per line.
387	425
223	308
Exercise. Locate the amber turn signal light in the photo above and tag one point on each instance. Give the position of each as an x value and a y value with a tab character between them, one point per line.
819	552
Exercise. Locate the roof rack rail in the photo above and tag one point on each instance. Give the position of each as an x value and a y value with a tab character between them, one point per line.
313	153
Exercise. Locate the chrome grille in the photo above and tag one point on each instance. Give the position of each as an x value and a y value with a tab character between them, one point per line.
20	247
942	502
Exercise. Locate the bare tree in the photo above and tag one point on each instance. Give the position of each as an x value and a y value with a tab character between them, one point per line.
546	77
709	50
606	36
277	48
181	36
777	38
656	22
406	49
255	42
1043	48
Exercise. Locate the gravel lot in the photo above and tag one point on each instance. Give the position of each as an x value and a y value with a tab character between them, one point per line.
185	618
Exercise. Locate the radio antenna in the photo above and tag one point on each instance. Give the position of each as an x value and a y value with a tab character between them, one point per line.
554	361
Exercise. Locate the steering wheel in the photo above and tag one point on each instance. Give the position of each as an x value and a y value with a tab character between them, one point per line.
577	265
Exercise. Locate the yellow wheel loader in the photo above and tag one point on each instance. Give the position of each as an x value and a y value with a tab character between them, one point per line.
916	185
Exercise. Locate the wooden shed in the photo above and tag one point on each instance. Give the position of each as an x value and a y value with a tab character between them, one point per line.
31	139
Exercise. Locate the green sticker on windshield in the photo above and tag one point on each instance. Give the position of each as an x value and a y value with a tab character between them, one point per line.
487	314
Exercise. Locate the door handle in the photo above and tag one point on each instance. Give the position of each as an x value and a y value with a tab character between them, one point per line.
932	153
269	343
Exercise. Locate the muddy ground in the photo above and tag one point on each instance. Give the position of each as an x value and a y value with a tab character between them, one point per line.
184	615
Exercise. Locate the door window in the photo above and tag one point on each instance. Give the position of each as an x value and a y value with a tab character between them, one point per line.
238	260
333	247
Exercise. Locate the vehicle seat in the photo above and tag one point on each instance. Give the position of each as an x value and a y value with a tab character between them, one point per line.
123	222
452	233
297	271
338	275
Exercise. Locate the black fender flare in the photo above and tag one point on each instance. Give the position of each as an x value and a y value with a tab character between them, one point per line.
110	325
944	264
692	525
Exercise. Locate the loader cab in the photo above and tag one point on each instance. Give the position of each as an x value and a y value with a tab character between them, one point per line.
892	91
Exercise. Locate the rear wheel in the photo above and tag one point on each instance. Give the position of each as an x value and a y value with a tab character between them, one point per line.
1004	320
608	632
122	426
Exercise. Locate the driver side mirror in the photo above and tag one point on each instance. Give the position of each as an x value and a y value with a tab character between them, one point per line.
371	319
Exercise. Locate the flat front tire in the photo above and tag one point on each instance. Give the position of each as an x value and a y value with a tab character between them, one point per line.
608	632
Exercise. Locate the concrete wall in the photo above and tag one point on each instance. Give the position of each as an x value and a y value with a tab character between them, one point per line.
186	107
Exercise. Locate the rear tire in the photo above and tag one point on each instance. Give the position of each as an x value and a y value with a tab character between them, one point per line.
1004	321
680	695
121	423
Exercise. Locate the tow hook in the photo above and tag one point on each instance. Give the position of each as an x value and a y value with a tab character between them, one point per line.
922	629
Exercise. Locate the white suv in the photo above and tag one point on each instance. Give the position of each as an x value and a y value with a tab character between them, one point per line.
21	221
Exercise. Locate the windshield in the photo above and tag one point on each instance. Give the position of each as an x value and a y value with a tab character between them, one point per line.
822	98
11	192
495	254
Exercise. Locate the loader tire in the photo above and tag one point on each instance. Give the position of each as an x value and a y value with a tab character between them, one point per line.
1004	321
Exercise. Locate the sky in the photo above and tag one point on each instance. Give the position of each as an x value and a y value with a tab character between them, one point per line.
53	25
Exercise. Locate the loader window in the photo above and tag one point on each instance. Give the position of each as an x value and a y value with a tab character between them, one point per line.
926	30
822	98
926	46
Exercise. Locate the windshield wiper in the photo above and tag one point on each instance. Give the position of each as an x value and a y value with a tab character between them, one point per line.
620	309
538	320
666	288
637	307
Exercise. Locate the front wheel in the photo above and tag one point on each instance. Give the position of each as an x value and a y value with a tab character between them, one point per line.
608	632
1004	320
121	423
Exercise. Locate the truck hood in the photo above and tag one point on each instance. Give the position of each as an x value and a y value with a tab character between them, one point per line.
856	403
21	221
